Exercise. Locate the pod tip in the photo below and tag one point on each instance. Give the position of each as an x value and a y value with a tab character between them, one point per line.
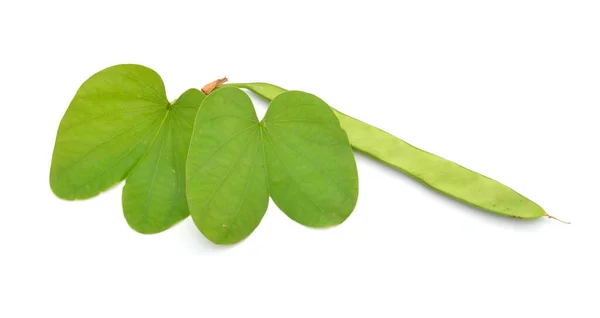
559	220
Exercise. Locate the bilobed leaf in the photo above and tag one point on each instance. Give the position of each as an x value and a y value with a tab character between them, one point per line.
311	168
117	117
107	128
226	182
298	154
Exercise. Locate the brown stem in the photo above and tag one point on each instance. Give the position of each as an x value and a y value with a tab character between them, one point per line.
208	88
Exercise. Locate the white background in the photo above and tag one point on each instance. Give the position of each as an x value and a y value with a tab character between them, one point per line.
510	89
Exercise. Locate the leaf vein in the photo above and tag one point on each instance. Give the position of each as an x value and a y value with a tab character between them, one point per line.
162	98
294	178
297	136
303	120
109	139
228	225
335	182
290	107
100	94
224	115
162	147
103	115
114	164
214	151
227	175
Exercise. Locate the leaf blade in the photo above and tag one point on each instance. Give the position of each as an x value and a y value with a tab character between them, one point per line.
311	169
101	138
225	179
154	193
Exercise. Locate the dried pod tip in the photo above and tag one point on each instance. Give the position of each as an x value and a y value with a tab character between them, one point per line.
559	220
208	88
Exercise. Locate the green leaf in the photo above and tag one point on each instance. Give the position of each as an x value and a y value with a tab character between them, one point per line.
298	154
311	168
121	124
226	182
154	193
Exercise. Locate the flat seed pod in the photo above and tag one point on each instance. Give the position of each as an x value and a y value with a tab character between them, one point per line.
442	175
298	154
121	124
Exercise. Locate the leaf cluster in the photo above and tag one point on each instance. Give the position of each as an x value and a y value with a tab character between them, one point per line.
208	156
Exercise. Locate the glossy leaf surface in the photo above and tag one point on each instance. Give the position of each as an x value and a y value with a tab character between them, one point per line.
298	154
